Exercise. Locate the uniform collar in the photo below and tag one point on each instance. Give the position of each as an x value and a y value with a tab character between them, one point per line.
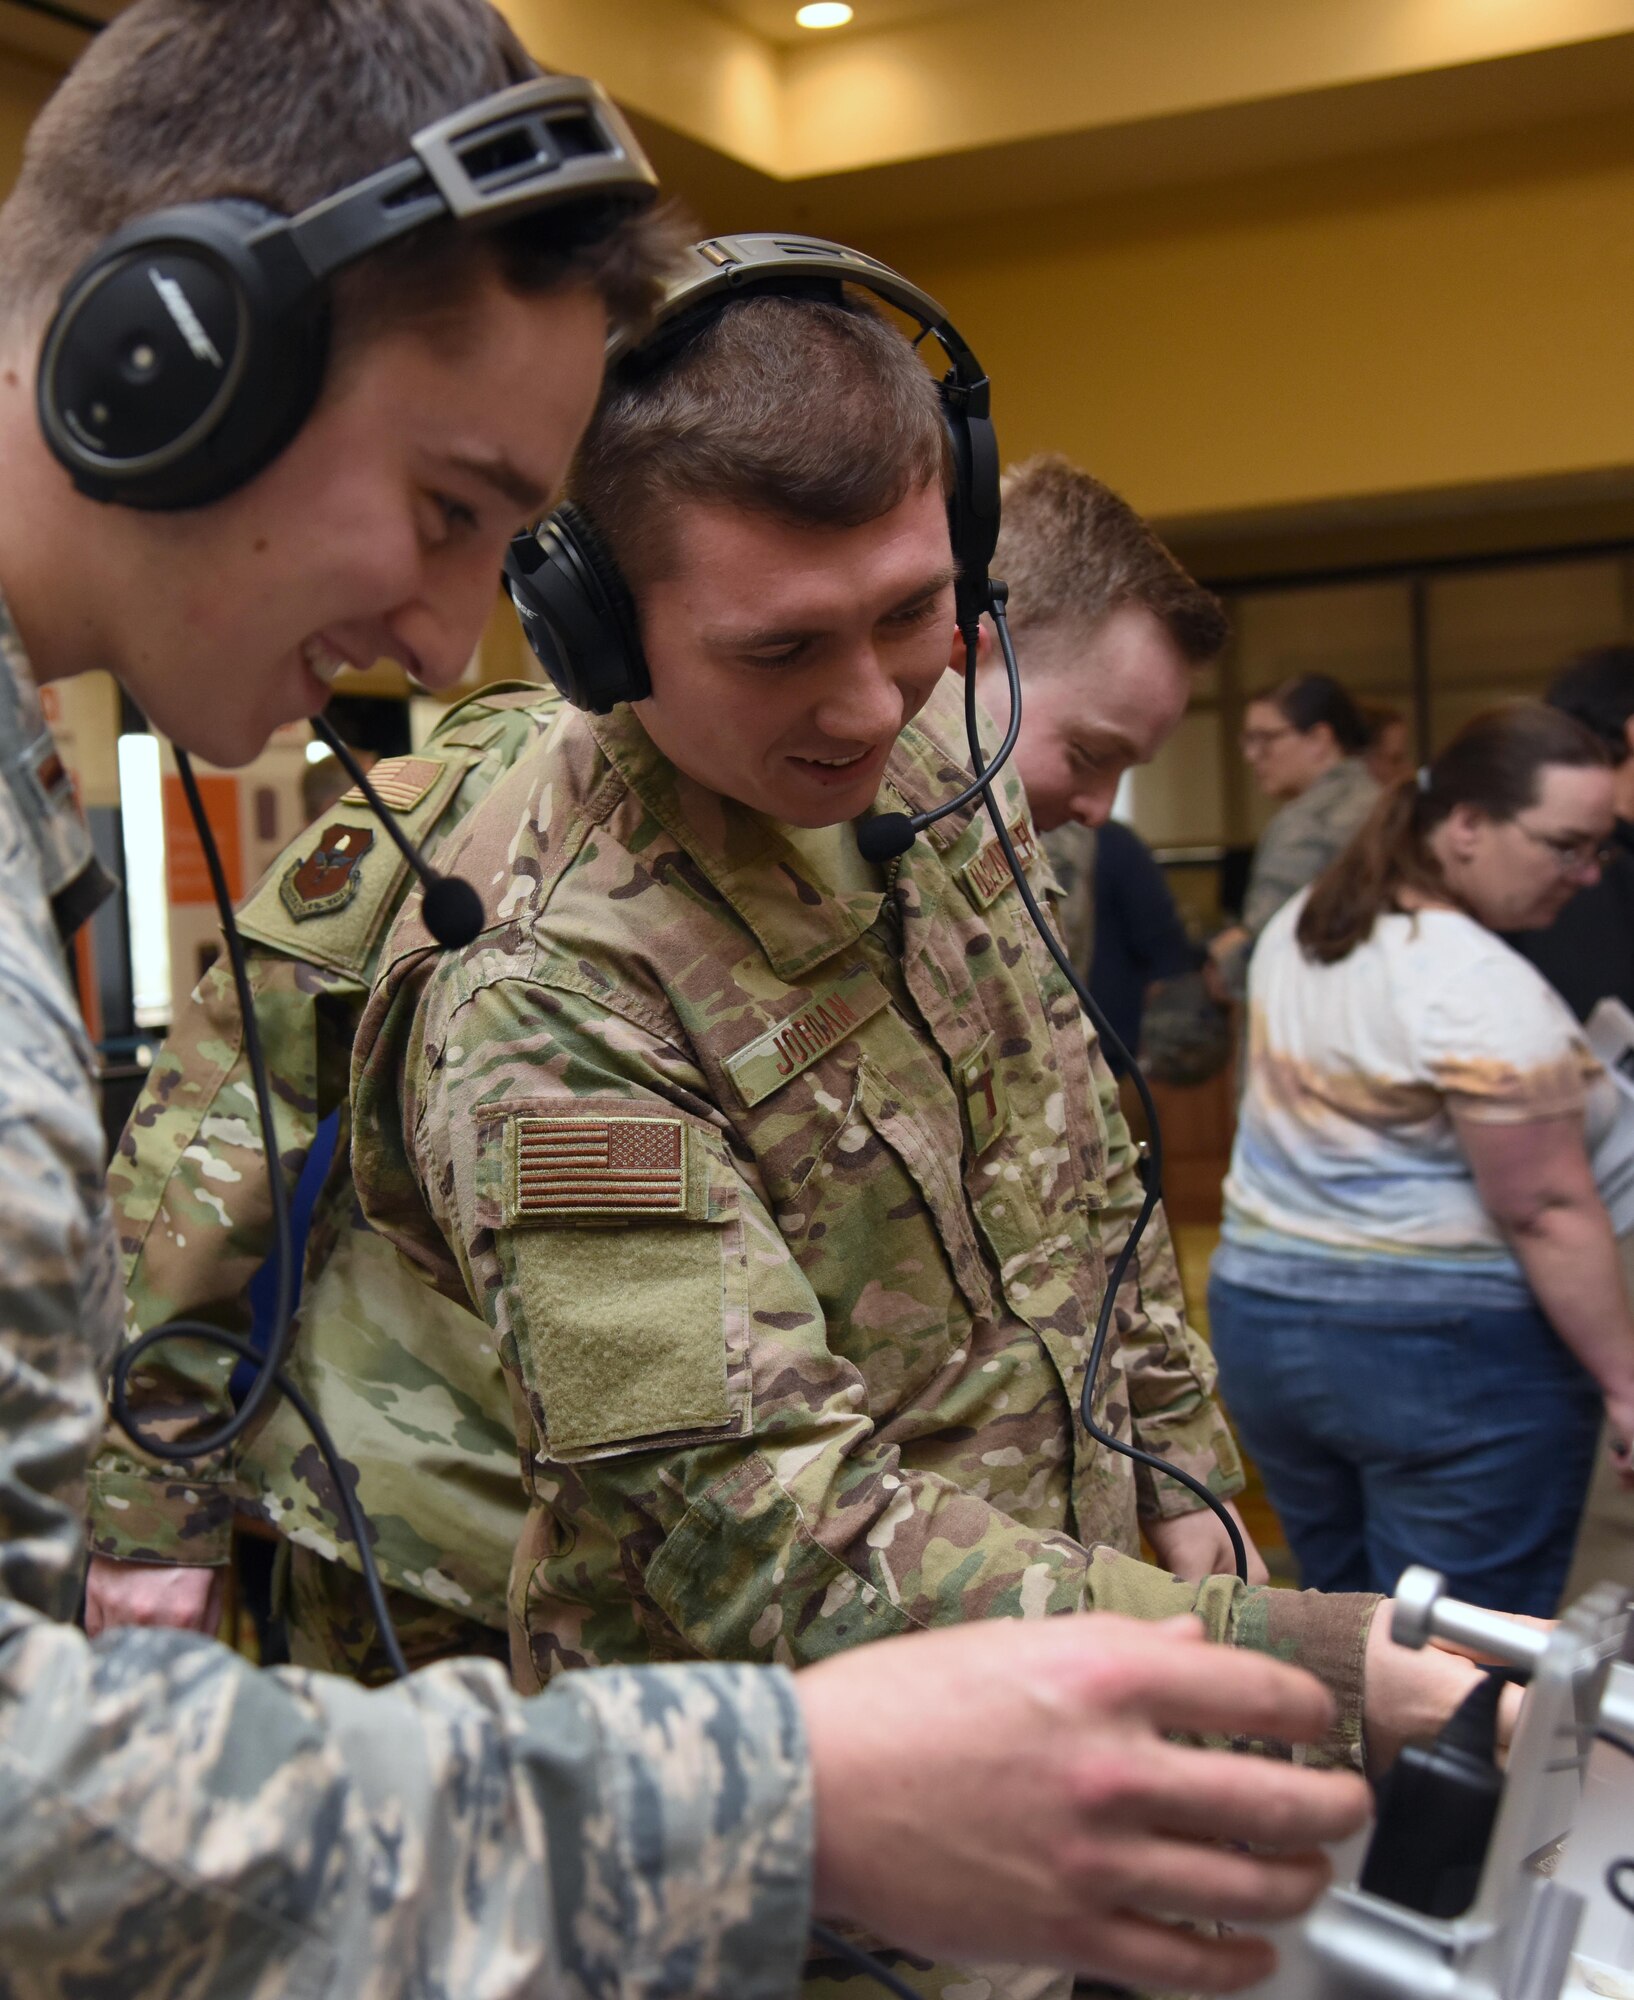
33	773
798	922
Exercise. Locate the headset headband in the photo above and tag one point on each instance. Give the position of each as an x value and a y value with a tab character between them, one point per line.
539	144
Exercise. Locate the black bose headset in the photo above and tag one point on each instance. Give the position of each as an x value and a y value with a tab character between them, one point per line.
575	606
189	348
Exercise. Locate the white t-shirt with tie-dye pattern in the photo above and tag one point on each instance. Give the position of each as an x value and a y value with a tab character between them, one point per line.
1345	1145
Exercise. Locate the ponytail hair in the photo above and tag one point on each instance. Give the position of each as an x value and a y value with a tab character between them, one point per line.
1494	763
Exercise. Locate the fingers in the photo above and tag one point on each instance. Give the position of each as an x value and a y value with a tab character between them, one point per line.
1152	1957
1181	1879
1228	1691
1218	1795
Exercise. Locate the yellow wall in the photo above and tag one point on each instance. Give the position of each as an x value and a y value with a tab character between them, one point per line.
1462	314
24	87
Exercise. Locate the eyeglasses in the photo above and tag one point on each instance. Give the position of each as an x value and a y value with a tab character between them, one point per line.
1262	739
1571	851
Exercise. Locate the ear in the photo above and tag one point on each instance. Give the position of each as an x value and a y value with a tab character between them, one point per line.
986	648
1464	826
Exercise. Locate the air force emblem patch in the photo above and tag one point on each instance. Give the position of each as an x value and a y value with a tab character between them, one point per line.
327	879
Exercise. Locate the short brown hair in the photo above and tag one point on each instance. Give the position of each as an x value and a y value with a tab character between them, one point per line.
1073	552
1494	763
811	411
282	102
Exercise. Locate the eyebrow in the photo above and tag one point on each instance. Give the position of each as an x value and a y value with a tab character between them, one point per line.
1100	737
506	479
788	635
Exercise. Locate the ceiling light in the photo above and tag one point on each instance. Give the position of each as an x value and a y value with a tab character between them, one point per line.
824	14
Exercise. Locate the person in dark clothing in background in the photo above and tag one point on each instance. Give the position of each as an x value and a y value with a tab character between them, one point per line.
1588	951
1139	935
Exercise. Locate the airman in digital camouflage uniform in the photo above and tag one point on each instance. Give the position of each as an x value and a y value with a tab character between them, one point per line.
406	1381
788	1185
171	1821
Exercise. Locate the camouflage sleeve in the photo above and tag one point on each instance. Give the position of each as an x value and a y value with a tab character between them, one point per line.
193	1208
59	1282
1169	1369
695	1424
172	1820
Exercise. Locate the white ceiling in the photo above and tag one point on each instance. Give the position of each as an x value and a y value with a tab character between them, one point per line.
775	18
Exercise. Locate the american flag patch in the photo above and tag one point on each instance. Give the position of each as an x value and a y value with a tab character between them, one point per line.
401	781
599	1166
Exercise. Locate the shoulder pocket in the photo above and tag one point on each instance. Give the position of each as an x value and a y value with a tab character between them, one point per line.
621	1245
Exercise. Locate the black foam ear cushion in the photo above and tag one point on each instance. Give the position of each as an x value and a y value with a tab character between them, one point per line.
181	360
578	612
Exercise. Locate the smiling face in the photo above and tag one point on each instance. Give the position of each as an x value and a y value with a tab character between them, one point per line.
379	533
787	660
1519	874
1093	705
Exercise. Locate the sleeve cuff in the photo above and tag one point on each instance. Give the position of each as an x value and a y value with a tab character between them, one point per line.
139	1516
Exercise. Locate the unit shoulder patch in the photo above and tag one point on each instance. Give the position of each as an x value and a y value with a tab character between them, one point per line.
316	884
830	1016
987	873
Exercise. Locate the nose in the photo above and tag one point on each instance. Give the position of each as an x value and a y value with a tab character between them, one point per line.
439	626
861	702
1094	807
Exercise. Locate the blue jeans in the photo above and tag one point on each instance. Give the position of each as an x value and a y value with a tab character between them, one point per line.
1390	1434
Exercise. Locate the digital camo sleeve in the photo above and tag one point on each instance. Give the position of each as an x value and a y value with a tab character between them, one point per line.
173	1822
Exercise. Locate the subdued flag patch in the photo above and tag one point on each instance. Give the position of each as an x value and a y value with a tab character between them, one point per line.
401	781
598	1166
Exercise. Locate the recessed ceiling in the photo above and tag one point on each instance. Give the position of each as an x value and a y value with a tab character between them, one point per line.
775	18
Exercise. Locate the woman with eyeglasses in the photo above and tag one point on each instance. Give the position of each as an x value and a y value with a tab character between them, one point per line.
1417	1304
1304	740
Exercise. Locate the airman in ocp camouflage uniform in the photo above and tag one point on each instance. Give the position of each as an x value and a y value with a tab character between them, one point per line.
406	1380
790	1204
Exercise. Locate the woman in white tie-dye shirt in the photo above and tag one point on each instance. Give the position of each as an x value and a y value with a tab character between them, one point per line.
1417	1303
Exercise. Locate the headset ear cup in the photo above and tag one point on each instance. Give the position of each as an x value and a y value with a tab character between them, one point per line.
182	358
973	505
578	613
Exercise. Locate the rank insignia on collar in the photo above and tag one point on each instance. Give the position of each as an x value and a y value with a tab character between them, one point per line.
327	879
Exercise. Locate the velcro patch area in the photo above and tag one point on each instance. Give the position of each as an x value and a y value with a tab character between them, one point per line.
561	1168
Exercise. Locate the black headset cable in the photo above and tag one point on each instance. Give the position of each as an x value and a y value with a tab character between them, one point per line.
1151	1167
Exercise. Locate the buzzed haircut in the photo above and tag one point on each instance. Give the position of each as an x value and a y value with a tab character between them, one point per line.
283	102
813	412
1072	553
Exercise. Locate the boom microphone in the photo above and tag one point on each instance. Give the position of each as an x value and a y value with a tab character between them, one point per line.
452	909
887	835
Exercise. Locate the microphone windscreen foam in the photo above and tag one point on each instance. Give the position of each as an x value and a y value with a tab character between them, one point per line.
884	838
452	910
